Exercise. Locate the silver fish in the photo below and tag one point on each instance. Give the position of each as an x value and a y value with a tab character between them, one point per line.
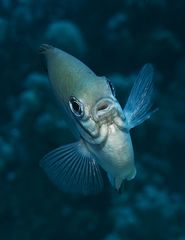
100	124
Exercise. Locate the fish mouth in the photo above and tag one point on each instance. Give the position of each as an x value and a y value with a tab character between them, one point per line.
95	128
108	111
106	116
103	109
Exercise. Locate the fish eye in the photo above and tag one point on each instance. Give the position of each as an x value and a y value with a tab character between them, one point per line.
111	87
76	106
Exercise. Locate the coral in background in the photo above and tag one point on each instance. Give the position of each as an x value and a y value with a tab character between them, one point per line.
67	36
114	38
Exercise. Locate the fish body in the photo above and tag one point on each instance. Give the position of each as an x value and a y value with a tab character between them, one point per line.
101	126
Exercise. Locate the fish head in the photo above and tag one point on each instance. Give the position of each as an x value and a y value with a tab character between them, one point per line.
89	100
94	107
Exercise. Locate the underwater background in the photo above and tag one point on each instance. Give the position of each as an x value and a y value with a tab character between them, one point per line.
114	38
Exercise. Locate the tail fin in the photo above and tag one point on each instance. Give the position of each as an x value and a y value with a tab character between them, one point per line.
139	103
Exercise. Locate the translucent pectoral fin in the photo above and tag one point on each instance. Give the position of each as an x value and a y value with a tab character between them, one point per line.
139	103
73	169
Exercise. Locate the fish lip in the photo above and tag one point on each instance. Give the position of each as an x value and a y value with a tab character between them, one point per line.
114	117
105	108
107	116
112	114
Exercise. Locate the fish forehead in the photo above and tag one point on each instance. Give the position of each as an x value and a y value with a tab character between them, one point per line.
70	77
92	90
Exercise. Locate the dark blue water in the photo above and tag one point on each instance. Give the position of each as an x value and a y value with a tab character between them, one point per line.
115	38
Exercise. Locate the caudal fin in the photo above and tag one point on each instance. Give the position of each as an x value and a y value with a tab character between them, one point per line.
139	103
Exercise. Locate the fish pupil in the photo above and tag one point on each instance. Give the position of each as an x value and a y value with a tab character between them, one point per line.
76	106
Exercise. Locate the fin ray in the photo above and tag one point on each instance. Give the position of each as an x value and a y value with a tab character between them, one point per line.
73	169
139	103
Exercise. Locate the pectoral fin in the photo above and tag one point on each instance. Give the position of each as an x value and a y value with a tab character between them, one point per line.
73	169
140	101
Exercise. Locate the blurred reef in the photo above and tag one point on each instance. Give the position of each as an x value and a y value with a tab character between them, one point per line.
114	38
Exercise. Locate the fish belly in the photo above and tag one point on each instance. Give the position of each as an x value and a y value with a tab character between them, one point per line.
116	155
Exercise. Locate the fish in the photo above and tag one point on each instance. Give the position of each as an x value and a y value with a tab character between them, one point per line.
99	123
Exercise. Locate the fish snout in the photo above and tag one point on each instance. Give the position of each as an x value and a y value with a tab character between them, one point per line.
103	109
